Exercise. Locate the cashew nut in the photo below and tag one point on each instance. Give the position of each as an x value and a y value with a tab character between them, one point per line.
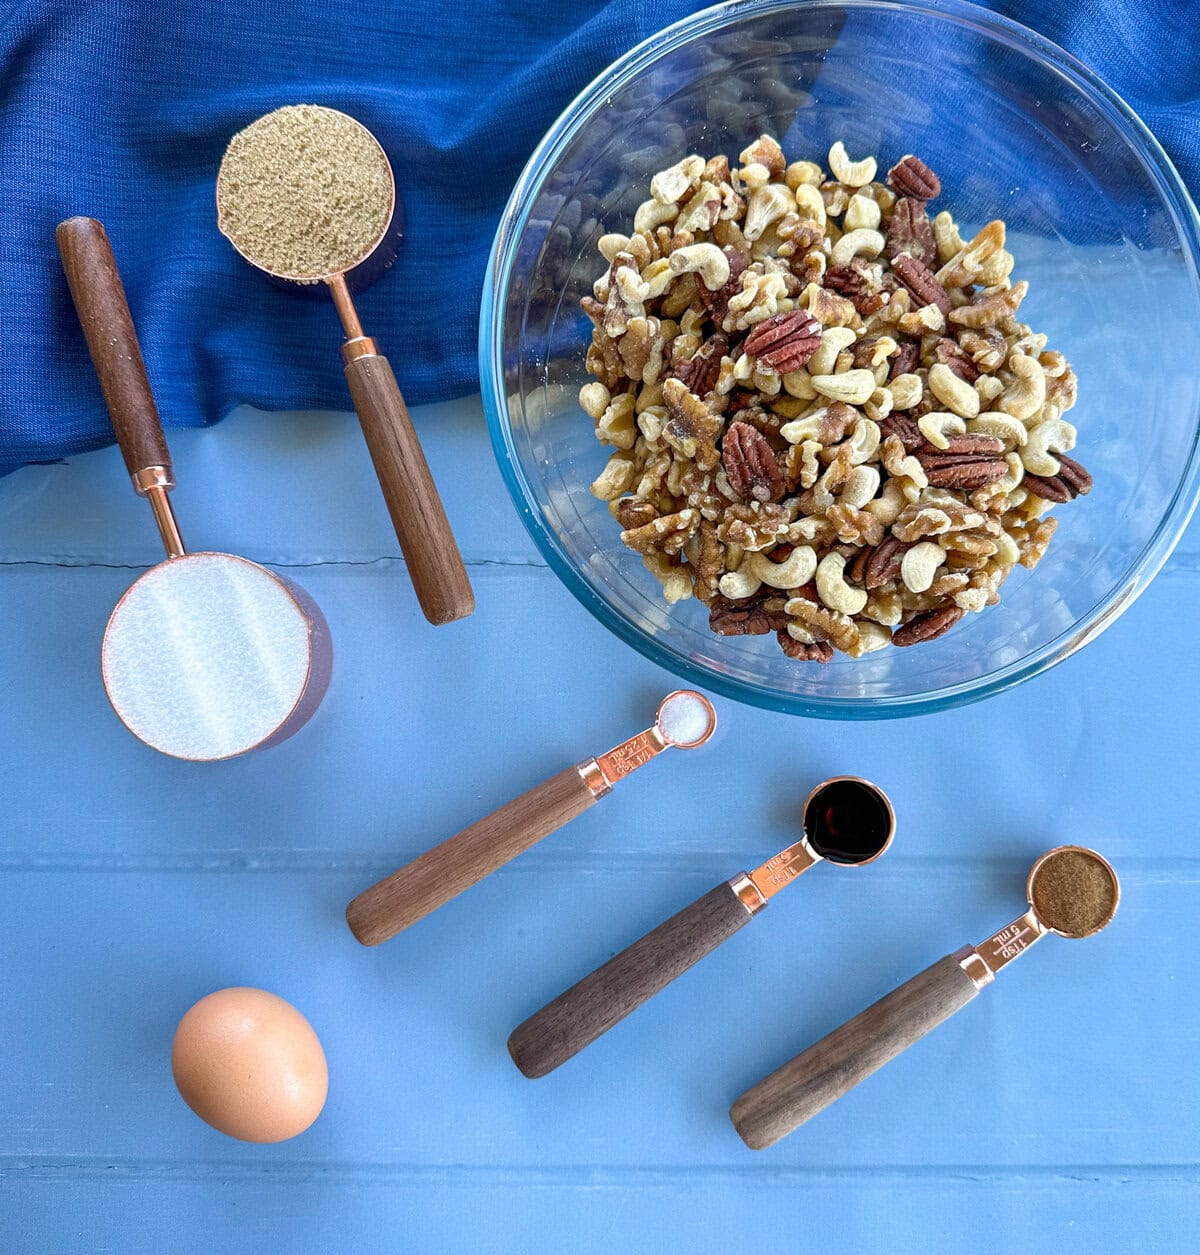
861	485
888	506
810	205
798	384
863	441
1027	393
739	583
802	429
1007	551
800	172
656	279
706	260
919	564
765	206
652	213
862	213
670	185
937	425
861	243
1002	426
853	386
906	391
612	244
879	404
752	176
954	393
945	233
594	399
871	636
989	387
833	341
1016	473
851	173
616	425
1054	436
798	568
833	589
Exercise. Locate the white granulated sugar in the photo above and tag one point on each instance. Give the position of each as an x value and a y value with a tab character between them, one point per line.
205	656
684	719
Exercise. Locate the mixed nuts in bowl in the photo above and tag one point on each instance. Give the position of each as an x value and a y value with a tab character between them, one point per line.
833	391
829	421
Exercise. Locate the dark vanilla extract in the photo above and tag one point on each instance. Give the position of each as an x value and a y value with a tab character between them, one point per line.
847	821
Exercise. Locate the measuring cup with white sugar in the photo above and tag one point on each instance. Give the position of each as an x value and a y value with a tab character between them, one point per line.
685	719
207	655
307	195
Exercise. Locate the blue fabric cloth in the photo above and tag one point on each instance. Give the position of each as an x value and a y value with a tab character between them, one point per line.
121	109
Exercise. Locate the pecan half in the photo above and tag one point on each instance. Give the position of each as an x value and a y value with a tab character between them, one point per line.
964	471
906	358
911	177
927	627
919	280
784	342
905	429
746	617
910	231
990	445
883	565
961	363
750	464
818	651
701	371
1071	481
717	303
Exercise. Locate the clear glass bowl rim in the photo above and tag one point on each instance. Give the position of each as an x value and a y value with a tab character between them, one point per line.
491	363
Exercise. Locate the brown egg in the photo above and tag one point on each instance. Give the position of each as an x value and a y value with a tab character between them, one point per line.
250	1065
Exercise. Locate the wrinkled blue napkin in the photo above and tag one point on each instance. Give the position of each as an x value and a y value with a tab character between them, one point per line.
121	109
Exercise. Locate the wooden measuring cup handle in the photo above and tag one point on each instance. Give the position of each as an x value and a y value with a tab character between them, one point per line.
562	1028
99	297
442	873
833	1066
430	550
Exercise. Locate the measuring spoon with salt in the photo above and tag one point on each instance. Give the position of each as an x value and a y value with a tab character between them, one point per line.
1072	892
685	719
846	821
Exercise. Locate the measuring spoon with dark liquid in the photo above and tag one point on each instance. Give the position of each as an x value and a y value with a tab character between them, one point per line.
847	821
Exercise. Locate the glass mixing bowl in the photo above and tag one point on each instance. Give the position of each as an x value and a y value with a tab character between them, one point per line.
1100	225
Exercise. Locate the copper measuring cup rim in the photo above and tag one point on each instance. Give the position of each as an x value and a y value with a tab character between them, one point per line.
870	785
359	262
317	672
1096	857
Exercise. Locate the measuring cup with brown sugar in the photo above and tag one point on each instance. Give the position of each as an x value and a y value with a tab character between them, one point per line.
1072	892
845	821
307	194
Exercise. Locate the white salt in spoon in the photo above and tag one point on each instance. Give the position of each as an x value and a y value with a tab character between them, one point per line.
685	720
207	655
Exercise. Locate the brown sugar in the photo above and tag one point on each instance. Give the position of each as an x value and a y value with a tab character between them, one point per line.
304	192
1074	893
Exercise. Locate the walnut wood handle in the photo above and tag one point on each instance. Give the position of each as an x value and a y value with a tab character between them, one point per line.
442	873
795	1092
99	297
562	1028
434	562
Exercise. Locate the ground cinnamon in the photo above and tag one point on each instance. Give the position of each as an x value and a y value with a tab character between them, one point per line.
1074	893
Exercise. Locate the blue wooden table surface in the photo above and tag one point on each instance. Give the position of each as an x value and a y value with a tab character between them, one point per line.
1059	1112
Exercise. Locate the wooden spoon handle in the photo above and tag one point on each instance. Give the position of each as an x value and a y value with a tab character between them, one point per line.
838	1062
434	562
99	297
562	1028
442	873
